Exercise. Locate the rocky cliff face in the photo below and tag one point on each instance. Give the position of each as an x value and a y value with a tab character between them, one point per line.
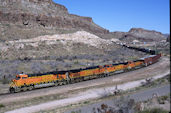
147	34
19	19
33	14
139	34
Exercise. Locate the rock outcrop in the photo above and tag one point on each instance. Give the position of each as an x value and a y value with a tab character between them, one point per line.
139	34
44	13
147	34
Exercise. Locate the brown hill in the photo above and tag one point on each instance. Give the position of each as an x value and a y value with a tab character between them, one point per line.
43	16
40	36
139	34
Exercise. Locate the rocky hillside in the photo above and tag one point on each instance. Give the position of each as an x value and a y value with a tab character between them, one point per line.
41	29
19	19
139	34
23	17
60	52
57	45
40	36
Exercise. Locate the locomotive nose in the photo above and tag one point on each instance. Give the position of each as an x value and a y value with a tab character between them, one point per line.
13	80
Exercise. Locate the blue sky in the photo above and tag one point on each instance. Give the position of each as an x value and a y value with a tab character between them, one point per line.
122	15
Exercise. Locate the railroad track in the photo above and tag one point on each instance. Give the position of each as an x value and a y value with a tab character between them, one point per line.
89	77
111	74
123	77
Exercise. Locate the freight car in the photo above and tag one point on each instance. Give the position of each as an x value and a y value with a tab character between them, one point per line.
148	51
24	82
150	59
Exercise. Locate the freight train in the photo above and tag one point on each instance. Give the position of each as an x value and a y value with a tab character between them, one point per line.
24	82
149	51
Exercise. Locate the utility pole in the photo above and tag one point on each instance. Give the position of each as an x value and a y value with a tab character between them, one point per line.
156	48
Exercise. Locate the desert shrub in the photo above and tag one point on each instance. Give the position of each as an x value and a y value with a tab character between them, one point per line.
154	110
1	105
164	97
86	102
105	93
76	62
4	80
78	111
27	59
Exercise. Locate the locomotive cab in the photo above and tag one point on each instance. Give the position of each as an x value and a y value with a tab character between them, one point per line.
21	76
16	82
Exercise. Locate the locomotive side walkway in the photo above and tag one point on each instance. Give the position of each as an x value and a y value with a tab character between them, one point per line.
96	87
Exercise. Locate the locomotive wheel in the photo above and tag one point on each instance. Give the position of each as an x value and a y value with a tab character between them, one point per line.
17	90
56	83
126	70
61	83
12	90
81	79
64	83
76	80
24	88
67	82
30	87
101	76
72	81
107	75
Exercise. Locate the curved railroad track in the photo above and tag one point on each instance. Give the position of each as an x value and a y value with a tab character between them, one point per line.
158	68
24	82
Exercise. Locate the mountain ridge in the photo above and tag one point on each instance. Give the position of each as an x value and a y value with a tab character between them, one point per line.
44	13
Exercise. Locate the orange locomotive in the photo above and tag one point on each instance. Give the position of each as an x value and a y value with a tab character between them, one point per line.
24	82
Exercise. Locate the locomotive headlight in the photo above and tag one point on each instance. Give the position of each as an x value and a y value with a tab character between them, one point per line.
13	83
